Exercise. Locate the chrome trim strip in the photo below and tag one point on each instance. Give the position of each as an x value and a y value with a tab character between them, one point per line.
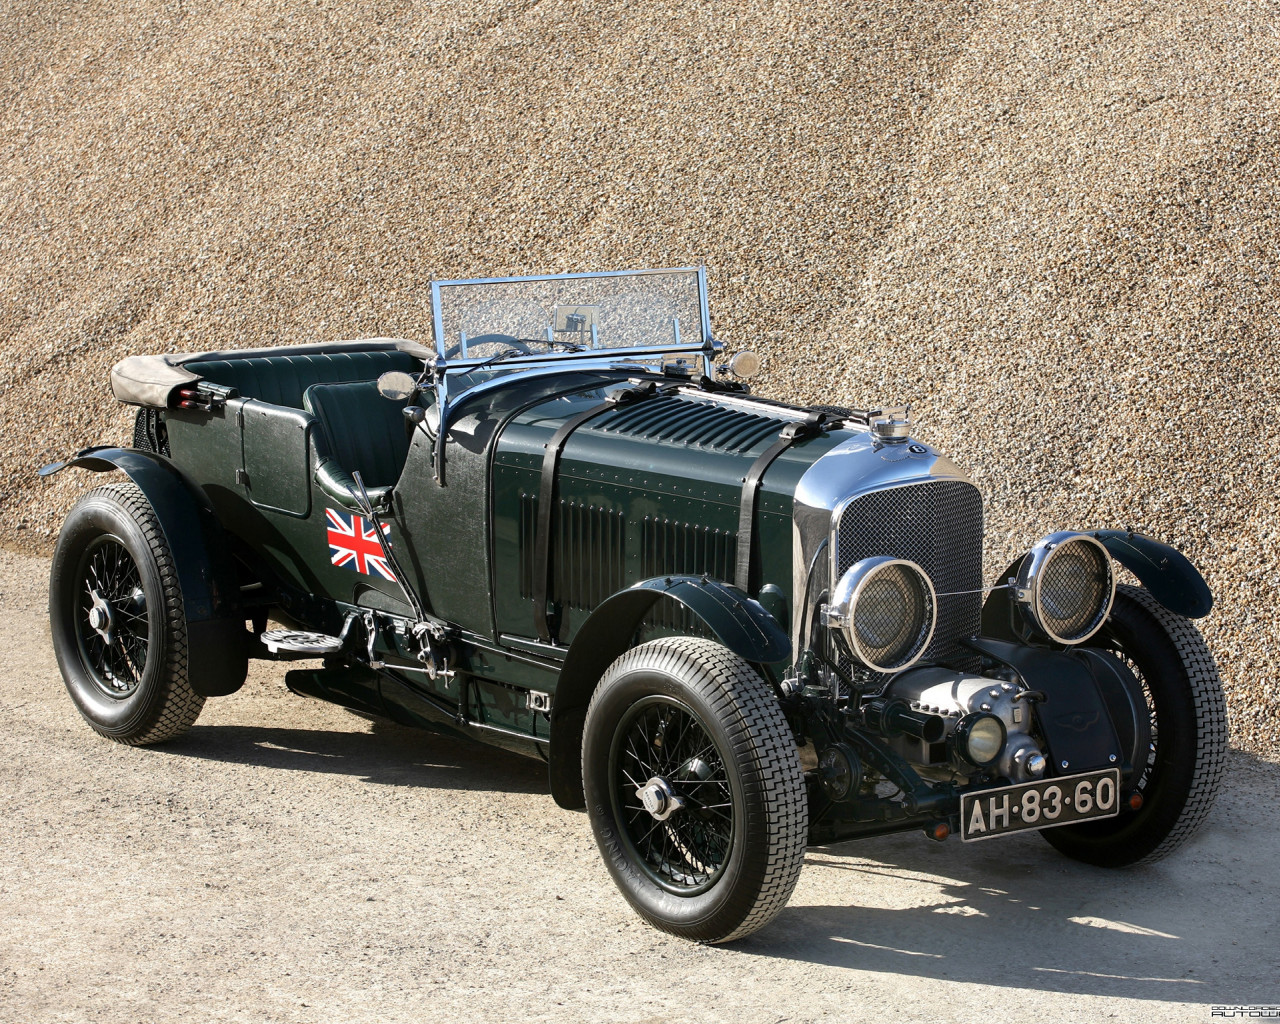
703	302
749	403
437	316
561	358
505	731
585	276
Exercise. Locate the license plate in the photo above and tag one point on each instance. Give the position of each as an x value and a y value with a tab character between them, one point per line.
1032	805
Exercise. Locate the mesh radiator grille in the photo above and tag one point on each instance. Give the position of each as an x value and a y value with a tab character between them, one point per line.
937	525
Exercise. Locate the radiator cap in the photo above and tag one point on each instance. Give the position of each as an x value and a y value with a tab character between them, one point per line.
890	426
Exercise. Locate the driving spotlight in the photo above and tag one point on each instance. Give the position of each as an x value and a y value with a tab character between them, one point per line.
979	738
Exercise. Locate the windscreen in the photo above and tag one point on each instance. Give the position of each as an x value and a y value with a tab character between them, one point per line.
597	311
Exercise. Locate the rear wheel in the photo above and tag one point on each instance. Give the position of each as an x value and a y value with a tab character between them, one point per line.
117	620
1188	750
694	789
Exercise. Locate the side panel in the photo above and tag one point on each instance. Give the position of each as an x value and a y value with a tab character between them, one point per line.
444	532
207	445
273	508
277	457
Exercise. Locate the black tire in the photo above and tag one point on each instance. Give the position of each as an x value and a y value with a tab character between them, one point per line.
689	711
1188	737
125	663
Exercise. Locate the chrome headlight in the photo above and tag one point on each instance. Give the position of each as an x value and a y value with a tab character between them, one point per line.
885	608
1066	585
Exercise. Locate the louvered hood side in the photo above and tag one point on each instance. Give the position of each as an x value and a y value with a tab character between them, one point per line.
648	489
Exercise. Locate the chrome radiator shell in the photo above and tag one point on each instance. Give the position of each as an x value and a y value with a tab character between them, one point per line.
903	500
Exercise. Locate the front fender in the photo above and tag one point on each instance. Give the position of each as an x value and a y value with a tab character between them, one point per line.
1162	569
733	618
217	648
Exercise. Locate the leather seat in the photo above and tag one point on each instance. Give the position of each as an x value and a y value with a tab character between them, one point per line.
282	379
357	431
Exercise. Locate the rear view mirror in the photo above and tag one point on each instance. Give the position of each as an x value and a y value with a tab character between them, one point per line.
397	385
581	320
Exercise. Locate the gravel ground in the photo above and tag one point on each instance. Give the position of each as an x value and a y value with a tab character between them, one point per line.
286	861
1051	225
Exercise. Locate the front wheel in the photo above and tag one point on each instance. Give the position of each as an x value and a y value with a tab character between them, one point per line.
117	620
1188	750
694	789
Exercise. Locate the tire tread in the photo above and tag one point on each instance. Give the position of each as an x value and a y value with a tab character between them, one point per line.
1211	720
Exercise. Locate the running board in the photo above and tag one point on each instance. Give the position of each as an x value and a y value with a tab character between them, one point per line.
288	644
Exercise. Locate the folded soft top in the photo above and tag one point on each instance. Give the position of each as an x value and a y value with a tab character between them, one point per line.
151	380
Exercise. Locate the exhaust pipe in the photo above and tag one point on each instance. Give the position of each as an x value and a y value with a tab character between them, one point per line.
895	718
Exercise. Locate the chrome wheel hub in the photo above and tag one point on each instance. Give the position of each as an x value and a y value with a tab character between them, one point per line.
660	798
100	617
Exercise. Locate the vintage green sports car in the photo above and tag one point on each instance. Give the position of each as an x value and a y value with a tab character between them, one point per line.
732	627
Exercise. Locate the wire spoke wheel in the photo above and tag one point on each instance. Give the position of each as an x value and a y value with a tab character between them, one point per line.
662	739
117	620
1147	774
694	789
111	617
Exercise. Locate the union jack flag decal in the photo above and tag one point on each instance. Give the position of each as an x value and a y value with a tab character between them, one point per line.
353	544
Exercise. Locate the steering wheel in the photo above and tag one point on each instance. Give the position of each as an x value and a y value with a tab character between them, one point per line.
489	339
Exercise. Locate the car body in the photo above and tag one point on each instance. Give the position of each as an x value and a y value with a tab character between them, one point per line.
733	627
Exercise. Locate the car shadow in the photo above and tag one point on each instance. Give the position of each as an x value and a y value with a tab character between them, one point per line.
1016	914
388	754
1012	913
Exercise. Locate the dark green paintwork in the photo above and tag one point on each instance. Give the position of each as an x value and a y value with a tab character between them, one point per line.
645	505
1163	570
466	547
637	479
277	458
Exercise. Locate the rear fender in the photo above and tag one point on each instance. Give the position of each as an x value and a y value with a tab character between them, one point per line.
217	642
733	618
